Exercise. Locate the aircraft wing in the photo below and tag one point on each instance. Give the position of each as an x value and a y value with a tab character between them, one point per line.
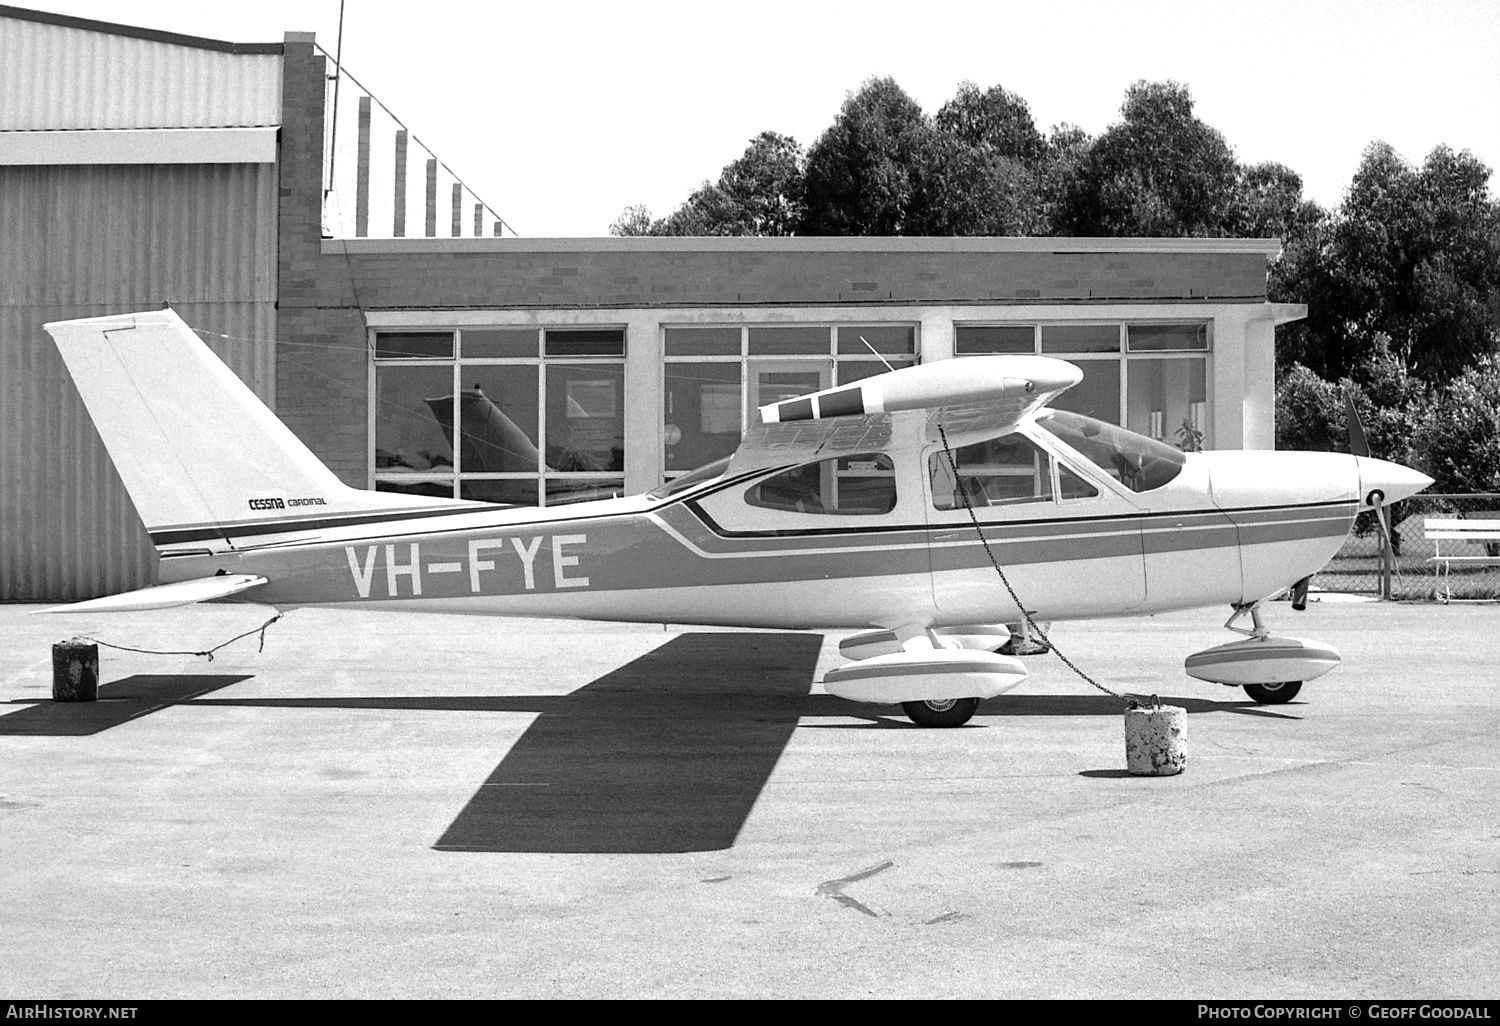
164	596
972	399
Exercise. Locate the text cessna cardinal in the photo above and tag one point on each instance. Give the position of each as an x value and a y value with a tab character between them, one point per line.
840	509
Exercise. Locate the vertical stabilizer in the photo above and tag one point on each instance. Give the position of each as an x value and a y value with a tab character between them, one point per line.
194	445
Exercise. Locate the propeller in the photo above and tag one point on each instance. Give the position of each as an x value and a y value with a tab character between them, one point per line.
1358	444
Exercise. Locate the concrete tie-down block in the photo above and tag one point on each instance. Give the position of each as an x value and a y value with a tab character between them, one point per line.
1155	740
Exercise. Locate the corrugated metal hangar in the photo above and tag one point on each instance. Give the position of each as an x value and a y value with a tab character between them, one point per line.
140	168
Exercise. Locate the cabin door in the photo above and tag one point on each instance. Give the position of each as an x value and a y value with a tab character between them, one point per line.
1069	545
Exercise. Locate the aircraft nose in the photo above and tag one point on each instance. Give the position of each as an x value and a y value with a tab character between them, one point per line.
1393	481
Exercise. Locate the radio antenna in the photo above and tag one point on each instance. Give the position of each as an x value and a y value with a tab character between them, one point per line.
877	353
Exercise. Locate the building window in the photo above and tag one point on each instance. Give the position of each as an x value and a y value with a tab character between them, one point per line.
1151	377
537	415
716	377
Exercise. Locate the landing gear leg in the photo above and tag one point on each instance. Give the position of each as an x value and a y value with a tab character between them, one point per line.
1268	692
947	712
1022	642
1258	630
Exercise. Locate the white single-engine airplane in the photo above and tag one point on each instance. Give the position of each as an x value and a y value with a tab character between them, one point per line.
839	509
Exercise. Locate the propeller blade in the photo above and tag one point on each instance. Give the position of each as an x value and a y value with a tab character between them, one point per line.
1358	445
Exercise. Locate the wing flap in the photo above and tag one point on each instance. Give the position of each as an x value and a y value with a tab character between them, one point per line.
164	596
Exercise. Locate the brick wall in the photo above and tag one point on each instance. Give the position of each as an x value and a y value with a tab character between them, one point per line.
426	280
321	369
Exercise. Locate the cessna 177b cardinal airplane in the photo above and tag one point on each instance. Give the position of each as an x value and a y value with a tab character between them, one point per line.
839	509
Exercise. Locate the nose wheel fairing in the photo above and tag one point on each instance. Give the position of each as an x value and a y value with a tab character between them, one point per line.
1271	669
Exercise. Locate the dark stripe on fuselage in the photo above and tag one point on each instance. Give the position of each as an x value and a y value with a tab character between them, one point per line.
256	528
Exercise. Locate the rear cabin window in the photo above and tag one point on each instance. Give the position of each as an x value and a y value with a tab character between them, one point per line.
863	485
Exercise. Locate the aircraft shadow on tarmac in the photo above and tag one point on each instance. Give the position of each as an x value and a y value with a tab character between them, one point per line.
120	701
665	754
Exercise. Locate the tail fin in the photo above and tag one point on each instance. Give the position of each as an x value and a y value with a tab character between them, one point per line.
199	453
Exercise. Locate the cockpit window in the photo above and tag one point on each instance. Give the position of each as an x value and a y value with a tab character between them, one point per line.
1137	462
863	485
704	474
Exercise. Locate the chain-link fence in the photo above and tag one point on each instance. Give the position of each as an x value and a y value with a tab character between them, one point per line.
1408	571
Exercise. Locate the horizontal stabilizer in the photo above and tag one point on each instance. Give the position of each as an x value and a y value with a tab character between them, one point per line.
165	596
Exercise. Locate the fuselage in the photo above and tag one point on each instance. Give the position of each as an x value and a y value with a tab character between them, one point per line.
1227	528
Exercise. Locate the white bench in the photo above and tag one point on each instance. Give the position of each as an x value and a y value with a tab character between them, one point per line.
1450	529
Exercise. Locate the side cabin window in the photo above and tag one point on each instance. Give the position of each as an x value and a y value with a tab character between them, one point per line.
863	485
1005	471
1137	462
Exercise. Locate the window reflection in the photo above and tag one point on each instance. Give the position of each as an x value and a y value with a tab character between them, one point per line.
585	417
1000	471
407	434
1097	395
702	413
492	410
505	492
1166	401
846	486
501	423
986	339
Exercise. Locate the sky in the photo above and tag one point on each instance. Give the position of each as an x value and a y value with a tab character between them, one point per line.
560	115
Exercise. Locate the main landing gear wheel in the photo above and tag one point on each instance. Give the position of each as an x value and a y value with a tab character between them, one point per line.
1274	694
947	712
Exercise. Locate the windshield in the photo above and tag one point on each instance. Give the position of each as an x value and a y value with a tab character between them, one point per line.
704	474
1137	462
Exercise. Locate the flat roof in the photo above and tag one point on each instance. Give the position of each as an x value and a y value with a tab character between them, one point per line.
802	244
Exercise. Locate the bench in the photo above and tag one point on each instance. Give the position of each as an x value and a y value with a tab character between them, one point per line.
1449	529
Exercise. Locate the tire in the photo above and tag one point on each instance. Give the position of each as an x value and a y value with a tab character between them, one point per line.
950	712
1274	694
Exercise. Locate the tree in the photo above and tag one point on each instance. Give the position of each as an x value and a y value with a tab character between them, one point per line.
1160	171
994	117
1309	412
1391	402
765	186
964	190
634	220
1458	442
1066	147
1267	203
981	171
1412	255
862	172
758	193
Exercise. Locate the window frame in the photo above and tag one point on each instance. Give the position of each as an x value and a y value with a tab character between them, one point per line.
1122	354
457	476
746	360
